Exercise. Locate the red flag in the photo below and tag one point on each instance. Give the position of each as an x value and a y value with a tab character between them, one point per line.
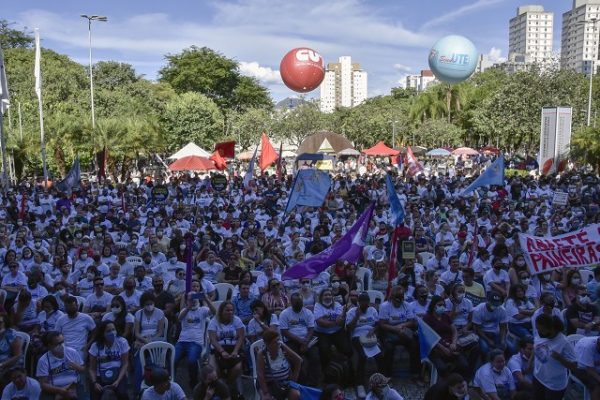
267	153
414	166
226	149
279	167
392	269
219	161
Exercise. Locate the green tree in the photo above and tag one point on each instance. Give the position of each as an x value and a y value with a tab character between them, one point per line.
11	38
210	73
112	75
247	126
191	117
585	146
296	124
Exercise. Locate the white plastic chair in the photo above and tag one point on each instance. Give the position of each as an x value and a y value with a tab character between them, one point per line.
224	291
586	275
26	340
135	260
165	329
425	256
206	346
433	375
574	339
80	303
375	295
254	347
217	304
363	275
158	352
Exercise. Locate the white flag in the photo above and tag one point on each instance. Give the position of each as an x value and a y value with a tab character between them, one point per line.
4	97
37	71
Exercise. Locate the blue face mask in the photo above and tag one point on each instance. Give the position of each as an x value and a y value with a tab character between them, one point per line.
110	336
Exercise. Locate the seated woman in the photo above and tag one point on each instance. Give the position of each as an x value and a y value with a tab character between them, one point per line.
262	319
329	326
149	326
11	347
108	362
25	313
494	380
447	356
227	335
519	310
274	298
276	364
123	320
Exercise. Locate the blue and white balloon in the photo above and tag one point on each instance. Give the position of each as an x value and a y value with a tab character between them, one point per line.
453	59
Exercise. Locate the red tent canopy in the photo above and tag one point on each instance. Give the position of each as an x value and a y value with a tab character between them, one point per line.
380	149
192	163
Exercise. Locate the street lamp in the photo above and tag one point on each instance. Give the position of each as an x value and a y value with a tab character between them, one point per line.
589	110
91	18
393	133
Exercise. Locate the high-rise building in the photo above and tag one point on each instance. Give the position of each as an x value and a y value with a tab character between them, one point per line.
420	82
579	41
531	35
344	85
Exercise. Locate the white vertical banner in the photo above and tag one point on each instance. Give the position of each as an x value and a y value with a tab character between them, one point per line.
547	141
563	137
37	73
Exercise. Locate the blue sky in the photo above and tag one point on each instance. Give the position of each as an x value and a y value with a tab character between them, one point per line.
388	38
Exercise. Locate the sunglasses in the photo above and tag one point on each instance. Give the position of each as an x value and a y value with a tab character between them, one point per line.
98	284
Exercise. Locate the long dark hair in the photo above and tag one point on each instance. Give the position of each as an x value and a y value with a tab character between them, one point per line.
120	317
99	337
266	313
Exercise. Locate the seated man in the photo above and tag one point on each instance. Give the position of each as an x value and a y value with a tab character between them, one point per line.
581	316
162	387
521	365
210	386
490	321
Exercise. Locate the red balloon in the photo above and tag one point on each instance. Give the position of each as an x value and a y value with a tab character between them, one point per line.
302	69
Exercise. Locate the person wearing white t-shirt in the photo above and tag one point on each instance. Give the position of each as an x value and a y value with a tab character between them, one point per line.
149	326
297	324
361	320
193	320
163	388
58	370
21	386
554	357
494	379
497	278
108	361
75	326
97	303
490	322
521	365
587	352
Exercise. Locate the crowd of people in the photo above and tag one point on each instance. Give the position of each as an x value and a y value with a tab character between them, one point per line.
96	283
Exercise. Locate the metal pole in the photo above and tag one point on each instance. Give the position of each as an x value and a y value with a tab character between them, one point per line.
589	110
20	120
91	74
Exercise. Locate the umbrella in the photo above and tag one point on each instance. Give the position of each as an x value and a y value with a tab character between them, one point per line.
192	163
439	152
490	150
418	149
246	155
465	151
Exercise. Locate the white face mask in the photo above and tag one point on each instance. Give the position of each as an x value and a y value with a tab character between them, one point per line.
328	302
335	285
460	297
584	299
116	310
575	281
520	263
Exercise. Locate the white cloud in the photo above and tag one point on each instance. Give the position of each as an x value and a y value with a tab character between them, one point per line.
402	67
460	12
263	74
495	55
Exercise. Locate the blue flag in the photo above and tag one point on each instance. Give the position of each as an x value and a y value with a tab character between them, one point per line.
347	248
306	392
493	175
428	339
250	173
72	179
310	189
395	204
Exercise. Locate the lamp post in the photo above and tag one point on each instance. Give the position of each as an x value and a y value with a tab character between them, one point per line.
589	108
91	18
393	133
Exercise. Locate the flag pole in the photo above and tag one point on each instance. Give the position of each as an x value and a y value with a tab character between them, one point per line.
5	182
38	90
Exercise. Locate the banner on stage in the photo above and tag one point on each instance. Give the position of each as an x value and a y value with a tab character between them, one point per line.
574	249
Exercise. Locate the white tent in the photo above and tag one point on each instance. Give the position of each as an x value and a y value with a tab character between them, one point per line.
190	149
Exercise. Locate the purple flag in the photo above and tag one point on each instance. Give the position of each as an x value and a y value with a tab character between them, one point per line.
189	263
348	248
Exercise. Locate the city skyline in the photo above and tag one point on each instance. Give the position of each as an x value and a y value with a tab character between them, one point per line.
389	40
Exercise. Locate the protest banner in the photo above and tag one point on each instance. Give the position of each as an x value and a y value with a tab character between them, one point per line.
573	249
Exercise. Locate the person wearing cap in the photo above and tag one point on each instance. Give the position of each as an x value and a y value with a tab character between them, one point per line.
379	389
490	321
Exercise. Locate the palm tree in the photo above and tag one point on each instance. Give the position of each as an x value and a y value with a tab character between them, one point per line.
426	105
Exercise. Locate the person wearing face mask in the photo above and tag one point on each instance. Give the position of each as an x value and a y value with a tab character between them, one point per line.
148	327
582	316
108	363
521	365
122	319
494	380
85	286
75	326
379	389
519	310
307	293
497	278
518	267
329	326
570	286
421	303
490	322
460	310
397	324
97	303
191	339
297	324
58	370
554	358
